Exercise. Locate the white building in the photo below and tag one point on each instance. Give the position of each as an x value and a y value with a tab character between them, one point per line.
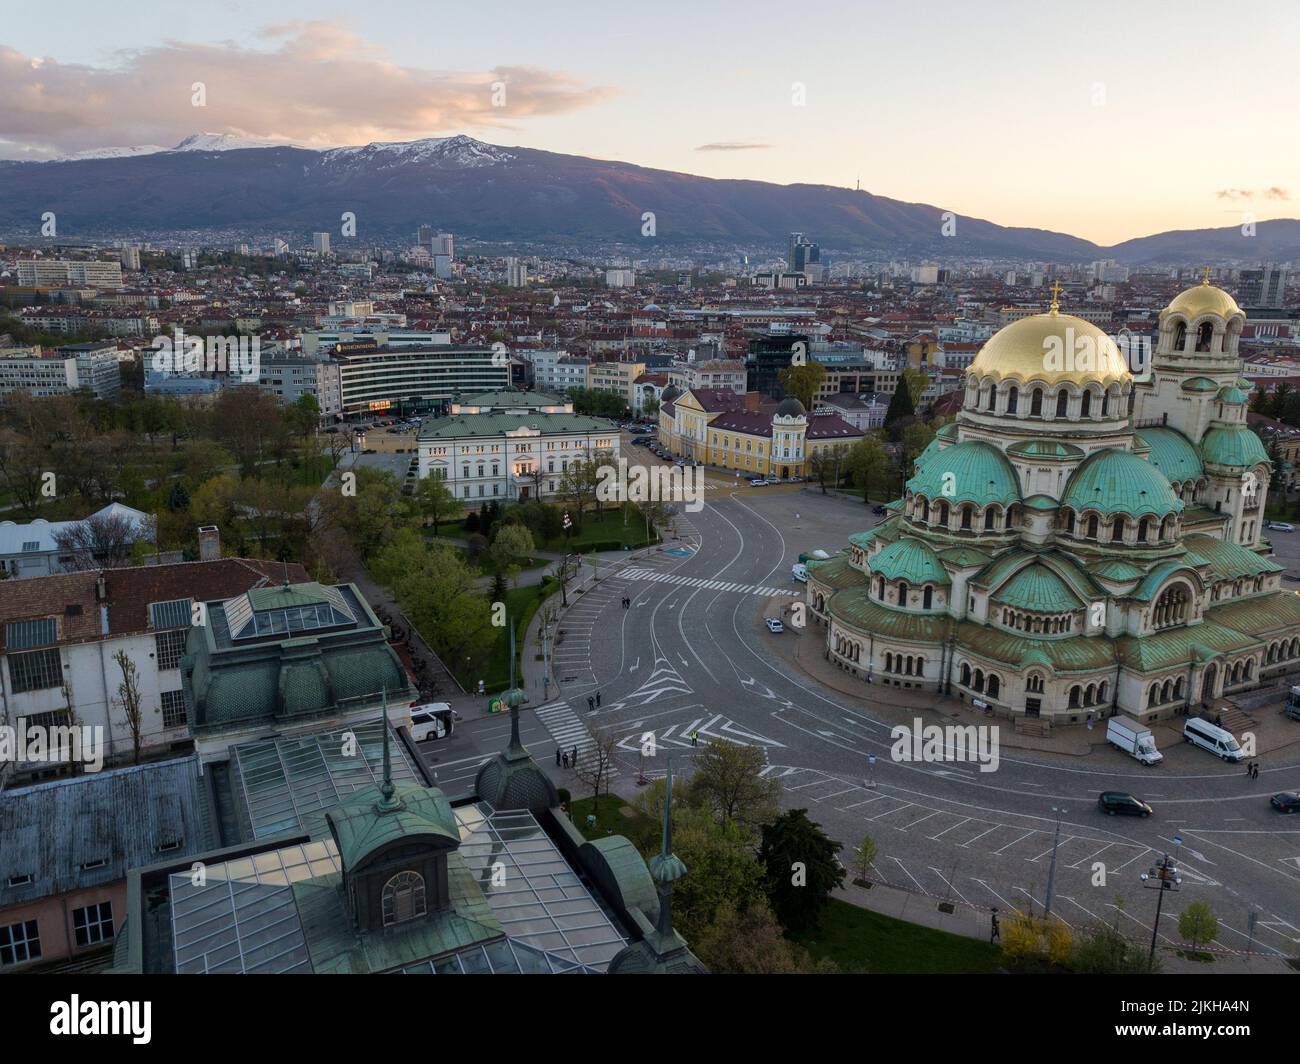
60	373
620	278
513	446
65	273
31	549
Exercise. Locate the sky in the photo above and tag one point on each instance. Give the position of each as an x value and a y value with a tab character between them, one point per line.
1108	120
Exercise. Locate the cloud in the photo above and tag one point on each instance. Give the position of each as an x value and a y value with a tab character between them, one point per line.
1236	194
732	145
312	83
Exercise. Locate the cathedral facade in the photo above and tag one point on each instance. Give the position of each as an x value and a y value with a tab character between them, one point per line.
1082	540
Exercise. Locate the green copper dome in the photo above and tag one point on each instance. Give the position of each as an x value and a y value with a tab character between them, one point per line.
1111	481
974	471
1233	445
1199	384
911	560
1172	453
1037	588
1232	395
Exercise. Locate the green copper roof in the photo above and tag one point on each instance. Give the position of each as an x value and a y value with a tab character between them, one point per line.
931	449
964	557
1115	569
1233	445
271	598
1045	449
1199	384
1037	588
360	826
1041	502
1112	481
468	426
974	471
1182	645
948	432
1227	560
911	560
1172	453
836	572
999	570
512	399
853	608
1232	395
1074	654
1146	590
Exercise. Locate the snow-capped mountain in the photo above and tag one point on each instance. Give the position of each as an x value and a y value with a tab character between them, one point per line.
222	142
107	153
458	151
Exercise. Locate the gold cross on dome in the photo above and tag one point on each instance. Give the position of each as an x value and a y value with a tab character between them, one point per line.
1205	280
1056	294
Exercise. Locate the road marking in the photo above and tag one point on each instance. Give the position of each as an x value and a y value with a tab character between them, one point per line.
1010	844
981	835
945	831
703	583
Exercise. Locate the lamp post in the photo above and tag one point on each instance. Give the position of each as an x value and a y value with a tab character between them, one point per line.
1051	872
1163	876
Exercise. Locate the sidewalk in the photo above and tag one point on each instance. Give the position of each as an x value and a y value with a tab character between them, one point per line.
917	909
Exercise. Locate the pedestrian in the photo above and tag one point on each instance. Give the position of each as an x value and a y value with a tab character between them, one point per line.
1090	722
557	756
695	737
1249	765
1255	774
995	933
565	761
591	704
597	699
1218	720
575	757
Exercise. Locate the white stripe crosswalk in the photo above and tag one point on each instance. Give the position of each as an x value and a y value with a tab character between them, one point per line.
640	574
568	731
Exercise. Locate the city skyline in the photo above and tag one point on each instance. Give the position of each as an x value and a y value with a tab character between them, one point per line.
1071	136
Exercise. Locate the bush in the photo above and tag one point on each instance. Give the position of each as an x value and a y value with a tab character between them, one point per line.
1102	950
1031	942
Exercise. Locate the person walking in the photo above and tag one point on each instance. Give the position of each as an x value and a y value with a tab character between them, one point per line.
597	699
995	933
575	757
565	761
591	704
557	756
1255	771
695	737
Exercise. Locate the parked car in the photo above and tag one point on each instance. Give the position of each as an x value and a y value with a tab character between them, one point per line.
1279	526
800	572
1121	803
877	510
757	482
1285	801
1211	737
773	625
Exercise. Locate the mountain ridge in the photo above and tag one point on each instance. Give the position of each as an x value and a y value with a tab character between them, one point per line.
493	192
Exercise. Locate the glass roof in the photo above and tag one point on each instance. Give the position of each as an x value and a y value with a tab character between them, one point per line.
325	607
538	898
498	958
289	783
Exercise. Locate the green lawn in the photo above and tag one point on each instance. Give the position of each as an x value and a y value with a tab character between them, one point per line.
521	604
604	532
609	820
859	940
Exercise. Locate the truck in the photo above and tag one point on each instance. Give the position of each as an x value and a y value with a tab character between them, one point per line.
1292	707
1133	739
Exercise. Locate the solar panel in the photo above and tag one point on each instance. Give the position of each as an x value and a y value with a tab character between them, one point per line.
24	635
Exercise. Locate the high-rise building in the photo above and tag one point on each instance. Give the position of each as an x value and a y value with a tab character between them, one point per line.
424	237
129	256
64	273
516	273
802	253
445	244
320	243
1264	287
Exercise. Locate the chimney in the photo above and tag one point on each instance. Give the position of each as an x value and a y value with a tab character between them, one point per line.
209	543
752	402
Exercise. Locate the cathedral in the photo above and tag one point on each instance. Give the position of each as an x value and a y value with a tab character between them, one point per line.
1083	540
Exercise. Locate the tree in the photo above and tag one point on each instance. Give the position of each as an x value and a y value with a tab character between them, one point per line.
511	545
864	856
800	869
178	499
433	499
751	942
868	459
566	569
900	404
803	382
1102	950
729	783
131	701
596	763
100	541
916	438
1197	924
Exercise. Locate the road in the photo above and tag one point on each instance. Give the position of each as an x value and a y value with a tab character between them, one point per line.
692	654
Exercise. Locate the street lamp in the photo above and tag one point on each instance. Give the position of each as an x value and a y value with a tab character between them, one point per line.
1051	872
1163	876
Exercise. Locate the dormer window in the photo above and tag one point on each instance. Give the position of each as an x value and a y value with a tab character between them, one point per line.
403	898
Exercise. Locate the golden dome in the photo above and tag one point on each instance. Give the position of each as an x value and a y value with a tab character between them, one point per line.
1052	348
1203	299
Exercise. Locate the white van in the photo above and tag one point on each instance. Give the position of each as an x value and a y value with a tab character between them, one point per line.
1211	737
800	572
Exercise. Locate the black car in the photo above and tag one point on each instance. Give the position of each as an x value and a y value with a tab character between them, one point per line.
1118	803
877	510
1286	801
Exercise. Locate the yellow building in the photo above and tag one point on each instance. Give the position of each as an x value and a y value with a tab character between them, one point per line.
749	434
615	378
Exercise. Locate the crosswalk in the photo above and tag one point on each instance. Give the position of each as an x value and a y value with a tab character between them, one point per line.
568	731
640	573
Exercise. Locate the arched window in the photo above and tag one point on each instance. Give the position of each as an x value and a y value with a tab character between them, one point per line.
1074	696
965	674
1117	530
880	588
989	517
993	396
1069	521
902	593
1142	530
1204	334
403	898
1036	403
929	598
1180	336
1062	403
979	680
965	517
1085	405
1105	403
1013	399
995	685
1092	526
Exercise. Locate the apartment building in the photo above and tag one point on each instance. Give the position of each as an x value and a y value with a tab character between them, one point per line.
65	273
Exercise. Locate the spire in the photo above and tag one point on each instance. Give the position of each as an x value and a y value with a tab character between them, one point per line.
668	811
1205	279
388	800
1056	297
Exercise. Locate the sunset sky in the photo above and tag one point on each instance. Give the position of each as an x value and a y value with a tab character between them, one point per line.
1108	121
